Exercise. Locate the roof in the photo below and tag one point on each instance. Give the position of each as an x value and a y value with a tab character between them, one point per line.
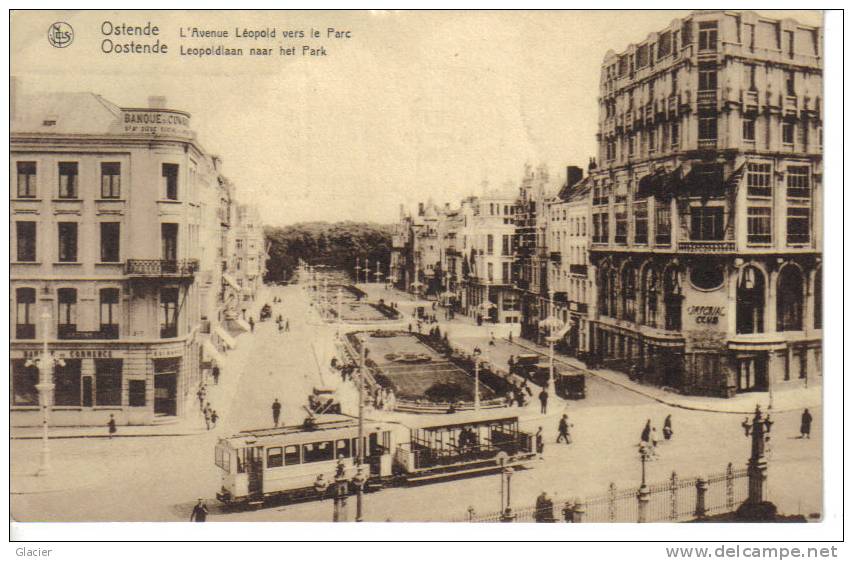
459	419
73	113
577	191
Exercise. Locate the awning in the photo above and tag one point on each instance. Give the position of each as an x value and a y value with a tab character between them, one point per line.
697	180
230	280
227	339
213	353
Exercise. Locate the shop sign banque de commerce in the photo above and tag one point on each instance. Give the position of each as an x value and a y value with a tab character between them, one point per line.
156	122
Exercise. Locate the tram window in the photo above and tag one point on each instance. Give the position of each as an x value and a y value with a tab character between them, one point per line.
291	455
318	452
274	458
343	449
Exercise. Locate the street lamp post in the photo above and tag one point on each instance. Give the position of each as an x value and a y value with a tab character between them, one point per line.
360	456
340	320
476	355
643	494
45	363
357	269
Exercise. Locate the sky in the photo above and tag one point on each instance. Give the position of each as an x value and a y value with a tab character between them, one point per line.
411	106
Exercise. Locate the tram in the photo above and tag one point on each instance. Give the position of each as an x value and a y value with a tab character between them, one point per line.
285	463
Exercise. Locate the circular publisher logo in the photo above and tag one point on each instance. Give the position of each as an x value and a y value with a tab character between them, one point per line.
60	34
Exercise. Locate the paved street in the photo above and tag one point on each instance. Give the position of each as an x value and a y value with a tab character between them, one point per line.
177	470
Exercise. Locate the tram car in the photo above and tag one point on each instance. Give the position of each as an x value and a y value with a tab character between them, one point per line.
570	385
284	463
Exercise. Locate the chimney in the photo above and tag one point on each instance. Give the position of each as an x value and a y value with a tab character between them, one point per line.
592	165
420	209
573	175
156	102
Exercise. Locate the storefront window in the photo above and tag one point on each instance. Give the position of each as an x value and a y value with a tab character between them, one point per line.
24	380
67	383
108	381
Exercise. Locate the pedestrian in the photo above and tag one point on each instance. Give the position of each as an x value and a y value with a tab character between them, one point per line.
563	429
280	328
207	418
287	325
214	417
540	444
199	512
510	363
215	374
543	401
200	395
492	340
510	337
667	427
647	431
111	426
276	411
544	508
252	324
806	424
410	327
653	439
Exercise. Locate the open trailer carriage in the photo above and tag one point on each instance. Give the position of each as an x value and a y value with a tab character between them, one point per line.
469	443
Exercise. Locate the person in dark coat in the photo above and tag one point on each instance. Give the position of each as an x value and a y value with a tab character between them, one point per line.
806	424
199	512
647	432
540	444
543	401
215	373
214	416
563	429
544	508
252	324
276	411
667	427
111	425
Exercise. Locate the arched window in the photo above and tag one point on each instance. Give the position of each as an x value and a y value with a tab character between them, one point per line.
818	299
750	301
652	291
603	291
789	300
672	298
629	293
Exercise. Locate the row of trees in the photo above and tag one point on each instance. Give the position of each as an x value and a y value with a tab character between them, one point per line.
322	243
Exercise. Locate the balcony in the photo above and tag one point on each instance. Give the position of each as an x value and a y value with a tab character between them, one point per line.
556	256
791	107
68	331
707	143
25	331
561	297
579	307
706	97
750	102
156	268
522	284
578	269
721	246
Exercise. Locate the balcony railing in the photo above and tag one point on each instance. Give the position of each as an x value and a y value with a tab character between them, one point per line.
706	97
556	256
161	267
69	331
577	269
707	247
707	143
579	307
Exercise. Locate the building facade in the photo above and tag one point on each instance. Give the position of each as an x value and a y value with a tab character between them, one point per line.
706	206
109	216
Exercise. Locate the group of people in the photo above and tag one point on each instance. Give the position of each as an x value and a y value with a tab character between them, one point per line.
468	439
210	415
384	399
518	394
649	436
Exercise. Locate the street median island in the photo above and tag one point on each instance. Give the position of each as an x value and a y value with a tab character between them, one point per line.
426	374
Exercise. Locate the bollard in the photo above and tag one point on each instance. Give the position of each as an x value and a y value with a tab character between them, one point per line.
701	491
643	495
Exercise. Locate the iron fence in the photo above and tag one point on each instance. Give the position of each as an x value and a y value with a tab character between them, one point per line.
673	500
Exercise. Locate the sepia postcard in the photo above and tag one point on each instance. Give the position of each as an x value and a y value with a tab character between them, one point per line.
417	266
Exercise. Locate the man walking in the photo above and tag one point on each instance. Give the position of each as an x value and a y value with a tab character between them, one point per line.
564	430
111	426
199	512
543	401
215	373
252	324
276	411
287	325
806	424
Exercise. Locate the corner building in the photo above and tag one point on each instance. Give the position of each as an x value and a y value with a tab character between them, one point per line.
706	208
105	230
